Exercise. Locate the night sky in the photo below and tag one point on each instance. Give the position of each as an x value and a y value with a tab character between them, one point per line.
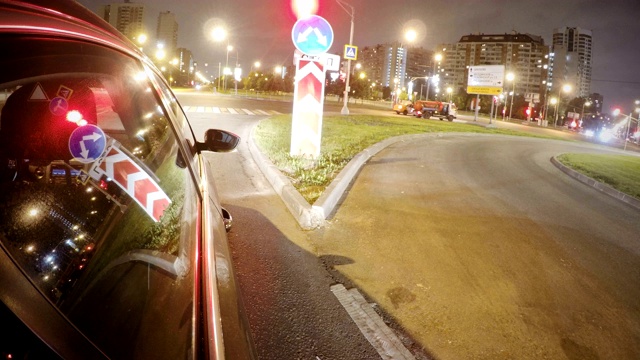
260	30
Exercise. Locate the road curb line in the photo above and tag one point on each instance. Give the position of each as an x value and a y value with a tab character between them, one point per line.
596	184
381	337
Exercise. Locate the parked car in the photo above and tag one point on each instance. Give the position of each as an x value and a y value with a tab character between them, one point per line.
403	107
112	237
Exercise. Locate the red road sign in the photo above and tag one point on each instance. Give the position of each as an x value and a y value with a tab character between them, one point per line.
308	101
134	180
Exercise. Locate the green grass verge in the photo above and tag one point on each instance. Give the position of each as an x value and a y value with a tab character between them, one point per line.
343	137
621	172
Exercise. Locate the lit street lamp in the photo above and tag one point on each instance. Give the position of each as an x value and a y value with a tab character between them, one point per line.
437	58
587	104
219	34
554	101
566	88
511	77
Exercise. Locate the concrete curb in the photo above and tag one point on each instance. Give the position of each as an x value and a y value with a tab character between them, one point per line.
297	205
381	337
597	185
311	217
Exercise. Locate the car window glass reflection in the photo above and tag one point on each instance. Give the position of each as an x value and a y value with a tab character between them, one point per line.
93	205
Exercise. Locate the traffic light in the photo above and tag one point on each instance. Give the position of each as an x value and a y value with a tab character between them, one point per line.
75	116
304	8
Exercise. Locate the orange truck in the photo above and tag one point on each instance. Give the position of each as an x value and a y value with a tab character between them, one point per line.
442	110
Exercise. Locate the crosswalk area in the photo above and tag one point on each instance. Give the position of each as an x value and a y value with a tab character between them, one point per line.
234	111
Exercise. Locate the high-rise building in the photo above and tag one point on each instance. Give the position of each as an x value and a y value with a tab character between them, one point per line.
385	64
167	32
419	63
571	50
373	59
186	66
127	17
525	55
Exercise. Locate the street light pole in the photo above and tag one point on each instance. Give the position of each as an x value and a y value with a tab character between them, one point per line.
347	88
566	88
226	66
511	77
437	57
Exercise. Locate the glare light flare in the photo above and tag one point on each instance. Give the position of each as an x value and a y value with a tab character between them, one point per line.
304	8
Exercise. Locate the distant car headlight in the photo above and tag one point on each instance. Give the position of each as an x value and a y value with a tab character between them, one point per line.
605	135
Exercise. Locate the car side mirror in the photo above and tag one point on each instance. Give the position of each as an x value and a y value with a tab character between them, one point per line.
217	140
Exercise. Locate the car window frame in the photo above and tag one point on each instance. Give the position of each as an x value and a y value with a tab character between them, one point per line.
23	297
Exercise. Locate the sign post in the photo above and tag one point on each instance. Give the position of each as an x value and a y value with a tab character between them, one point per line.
313	37
485	80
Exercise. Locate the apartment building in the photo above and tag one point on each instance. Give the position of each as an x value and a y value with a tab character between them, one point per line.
127	17
525	55
571	54
167	31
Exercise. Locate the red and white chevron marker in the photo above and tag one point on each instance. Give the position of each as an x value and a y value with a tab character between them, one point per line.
308	100
135	181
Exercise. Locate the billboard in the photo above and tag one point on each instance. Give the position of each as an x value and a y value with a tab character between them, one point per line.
485	79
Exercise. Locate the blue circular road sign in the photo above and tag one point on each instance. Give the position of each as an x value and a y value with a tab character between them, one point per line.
87	143
312	35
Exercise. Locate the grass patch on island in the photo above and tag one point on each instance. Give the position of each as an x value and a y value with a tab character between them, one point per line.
622	172
343	137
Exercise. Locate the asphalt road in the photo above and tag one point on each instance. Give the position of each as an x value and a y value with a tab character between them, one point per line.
292	312
475	246
481	249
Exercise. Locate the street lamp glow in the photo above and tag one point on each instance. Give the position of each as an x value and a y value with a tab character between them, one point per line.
411	35
160	53
256	64
566	88
511	76
304	8
438	57
219	34
142	38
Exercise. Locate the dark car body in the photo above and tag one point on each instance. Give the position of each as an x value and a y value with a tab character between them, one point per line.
112	237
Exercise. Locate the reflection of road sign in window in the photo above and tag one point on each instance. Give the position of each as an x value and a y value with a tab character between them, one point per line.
58	106
87	143
350	52
312	35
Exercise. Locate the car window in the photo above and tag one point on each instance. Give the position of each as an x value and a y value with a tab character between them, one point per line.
18	341
97	203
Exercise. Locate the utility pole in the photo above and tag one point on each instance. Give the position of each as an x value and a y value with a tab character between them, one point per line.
347	88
